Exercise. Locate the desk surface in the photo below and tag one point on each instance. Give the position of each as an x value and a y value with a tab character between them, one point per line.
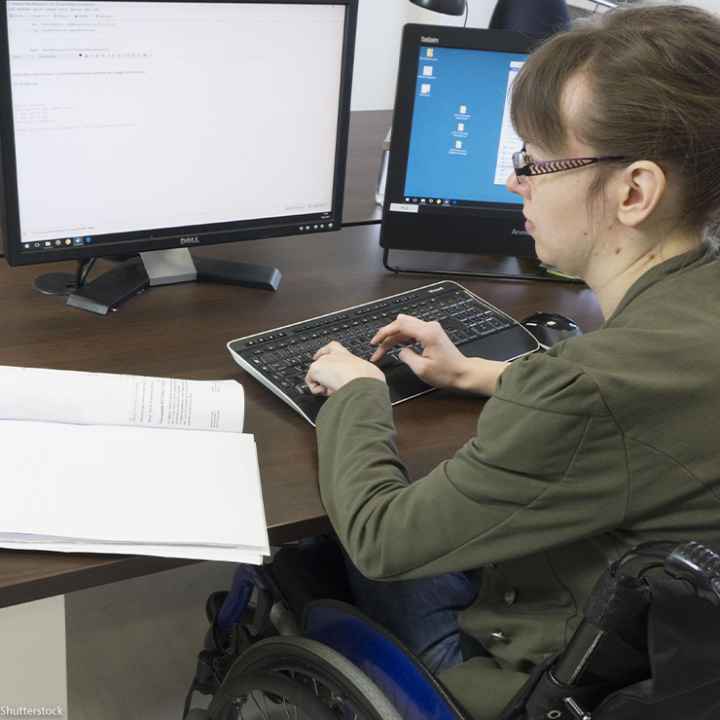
181	331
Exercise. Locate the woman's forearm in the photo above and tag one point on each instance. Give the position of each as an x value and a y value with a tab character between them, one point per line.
480	376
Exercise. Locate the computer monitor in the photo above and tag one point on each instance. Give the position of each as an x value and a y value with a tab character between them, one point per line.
148	127
452	145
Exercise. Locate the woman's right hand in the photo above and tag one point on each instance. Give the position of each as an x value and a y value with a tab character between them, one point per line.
441	364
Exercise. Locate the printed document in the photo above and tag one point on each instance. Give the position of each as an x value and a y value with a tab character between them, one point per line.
127	464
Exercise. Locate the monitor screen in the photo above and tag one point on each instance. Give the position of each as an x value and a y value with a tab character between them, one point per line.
134	126
462	140
453	142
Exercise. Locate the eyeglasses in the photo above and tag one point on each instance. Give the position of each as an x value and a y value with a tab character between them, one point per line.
525	166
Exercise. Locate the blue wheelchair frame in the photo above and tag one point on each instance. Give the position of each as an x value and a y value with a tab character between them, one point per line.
412	690
407	684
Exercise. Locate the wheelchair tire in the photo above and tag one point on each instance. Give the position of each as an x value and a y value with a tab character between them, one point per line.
295	672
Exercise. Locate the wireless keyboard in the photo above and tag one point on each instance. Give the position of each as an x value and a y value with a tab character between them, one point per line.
280	358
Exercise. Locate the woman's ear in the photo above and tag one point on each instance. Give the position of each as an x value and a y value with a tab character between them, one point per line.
641	188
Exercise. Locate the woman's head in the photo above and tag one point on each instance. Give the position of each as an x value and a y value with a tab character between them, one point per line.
642	84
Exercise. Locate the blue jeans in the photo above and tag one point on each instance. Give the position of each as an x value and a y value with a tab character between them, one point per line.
421	613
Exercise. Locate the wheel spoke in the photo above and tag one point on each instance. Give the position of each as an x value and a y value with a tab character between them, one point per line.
265	701
257	704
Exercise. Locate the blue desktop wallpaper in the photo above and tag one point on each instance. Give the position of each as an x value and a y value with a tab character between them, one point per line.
473	81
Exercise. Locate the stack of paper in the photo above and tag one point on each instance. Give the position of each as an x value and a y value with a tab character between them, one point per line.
127	464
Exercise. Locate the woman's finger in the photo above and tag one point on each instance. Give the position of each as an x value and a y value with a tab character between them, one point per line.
333	346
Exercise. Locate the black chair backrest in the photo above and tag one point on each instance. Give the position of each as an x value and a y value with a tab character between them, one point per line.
537	18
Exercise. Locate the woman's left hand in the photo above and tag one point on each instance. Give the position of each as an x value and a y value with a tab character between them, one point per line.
333	366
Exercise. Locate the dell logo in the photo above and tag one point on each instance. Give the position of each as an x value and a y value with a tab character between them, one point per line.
192	240
524	233
431	40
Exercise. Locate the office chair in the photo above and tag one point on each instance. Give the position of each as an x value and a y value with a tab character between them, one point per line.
648	648
530	17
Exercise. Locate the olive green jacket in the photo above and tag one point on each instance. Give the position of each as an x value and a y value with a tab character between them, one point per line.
608	440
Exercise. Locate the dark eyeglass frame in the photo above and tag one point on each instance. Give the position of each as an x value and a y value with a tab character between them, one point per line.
525	166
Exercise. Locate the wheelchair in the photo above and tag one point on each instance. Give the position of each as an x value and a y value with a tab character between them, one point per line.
648	648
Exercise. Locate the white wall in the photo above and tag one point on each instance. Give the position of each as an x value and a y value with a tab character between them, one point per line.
380	24
712	5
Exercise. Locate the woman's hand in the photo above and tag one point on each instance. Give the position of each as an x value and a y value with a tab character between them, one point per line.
333	366
441	364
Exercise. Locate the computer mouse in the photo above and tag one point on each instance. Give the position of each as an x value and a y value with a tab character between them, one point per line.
550	328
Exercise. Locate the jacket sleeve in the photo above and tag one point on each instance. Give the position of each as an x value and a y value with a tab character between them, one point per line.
546	467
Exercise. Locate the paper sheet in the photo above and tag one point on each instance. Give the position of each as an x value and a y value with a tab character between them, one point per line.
130	484
234	555
108	399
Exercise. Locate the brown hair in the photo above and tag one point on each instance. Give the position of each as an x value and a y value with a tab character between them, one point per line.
654	79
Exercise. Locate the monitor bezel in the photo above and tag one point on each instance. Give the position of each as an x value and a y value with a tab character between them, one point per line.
191	236
428	229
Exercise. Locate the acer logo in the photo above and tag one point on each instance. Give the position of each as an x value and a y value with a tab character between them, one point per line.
193	240
524	233
431	40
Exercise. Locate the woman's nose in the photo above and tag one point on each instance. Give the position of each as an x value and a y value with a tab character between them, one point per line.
513	184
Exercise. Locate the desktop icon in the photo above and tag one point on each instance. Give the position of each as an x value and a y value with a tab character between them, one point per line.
458	144
28	246
427	71
463	109
461	127
78	241
58	243
68	241
430	52
88	240
425	88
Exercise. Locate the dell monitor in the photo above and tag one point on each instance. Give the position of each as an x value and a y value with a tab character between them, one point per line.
146	128
452	145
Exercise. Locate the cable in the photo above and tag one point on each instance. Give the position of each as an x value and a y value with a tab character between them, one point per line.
83	271
467	12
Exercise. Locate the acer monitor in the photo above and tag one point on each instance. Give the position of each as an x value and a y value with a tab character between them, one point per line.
140	129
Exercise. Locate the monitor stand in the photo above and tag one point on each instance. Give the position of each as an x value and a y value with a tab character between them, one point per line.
159	267
472	265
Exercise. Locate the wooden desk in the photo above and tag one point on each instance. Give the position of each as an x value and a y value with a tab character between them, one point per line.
181	331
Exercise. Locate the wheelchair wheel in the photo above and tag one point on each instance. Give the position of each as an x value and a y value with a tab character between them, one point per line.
293	677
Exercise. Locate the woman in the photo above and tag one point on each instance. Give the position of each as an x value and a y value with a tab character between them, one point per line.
607	440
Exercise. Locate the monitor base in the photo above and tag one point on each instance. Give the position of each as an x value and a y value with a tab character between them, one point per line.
532	270
163	267
55	283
